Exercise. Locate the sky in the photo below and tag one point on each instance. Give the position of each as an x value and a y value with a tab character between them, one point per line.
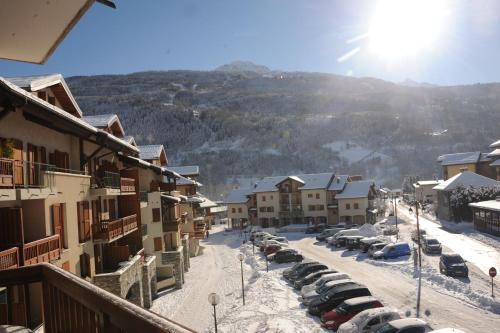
458	45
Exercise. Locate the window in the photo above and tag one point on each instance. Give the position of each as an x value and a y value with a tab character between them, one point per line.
347	206
52	100
270	209
317	195
157	241
270	197
58	224
356	205
156	215
262	209
310	195
83	221
263	198
85	265
240	210
233	210
374	321
320	207
418	329
312	207
42	95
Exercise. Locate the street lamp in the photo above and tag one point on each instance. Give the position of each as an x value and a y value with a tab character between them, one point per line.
214	299
396	215
241	257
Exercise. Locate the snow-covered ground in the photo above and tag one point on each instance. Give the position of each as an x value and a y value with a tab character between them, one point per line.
272	305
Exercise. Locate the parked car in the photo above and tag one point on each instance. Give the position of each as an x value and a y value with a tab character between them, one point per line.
348	232
313	277
322	280
281	239
309	297
271	249
348	309
448	330
375	247
288	271
328	233
335	296
406	325
453	265
353	242
286	255
367	241
414	235
431	245
268	242
392	251
315	228
368	320
301	273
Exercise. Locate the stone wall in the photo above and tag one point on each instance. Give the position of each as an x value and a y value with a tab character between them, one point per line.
176	259
185	251
149	281
125	282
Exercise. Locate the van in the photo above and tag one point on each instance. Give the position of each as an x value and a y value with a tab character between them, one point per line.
392	251
342	233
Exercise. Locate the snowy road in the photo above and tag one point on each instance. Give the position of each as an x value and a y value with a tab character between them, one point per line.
399	290
482	255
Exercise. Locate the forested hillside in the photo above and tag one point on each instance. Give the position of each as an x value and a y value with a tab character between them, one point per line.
242	125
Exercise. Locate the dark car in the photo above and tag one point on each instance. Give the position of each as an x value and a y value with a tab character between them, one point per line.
328	233
335	296
303	272
287	272
308	279
431	245
315	228
453	265
287	255
353	242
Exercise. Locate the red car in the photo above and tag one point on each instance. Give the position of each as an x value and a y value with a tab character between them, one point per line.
348	309
270	249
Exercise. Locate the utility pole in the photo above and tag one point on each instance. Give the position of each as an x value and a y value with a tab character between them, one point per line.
419	262
396	216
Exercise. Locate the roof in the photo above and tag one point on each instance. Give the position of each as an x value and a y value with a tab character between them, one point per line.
268	184
495	163
316	180
30	31
53	110
186	181
238	195
150	152
338	183
459	158
465	178
186	170
54	81
104	121
358	189
207	203
130	140
494	153
495	144
295	178
489	204
427	182
400	323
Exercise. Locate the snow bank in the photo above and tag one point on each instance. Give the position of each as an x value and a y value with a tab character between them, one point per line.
368	230
293	228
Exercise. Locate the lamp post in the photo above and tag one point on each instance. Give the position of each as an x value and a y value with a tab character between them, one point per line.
241	257
396	216
419	261
214	299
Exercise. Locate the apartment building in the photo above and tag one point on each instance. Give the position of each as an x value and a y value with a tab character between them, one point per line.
336	186
238	205
477	162
425	192
314	194
495	157
356	203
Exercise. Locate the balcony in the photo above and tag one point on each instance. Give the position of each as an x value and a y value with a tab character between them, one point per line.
71	304
111	183
109	231
9	259
6	173
127	185
291	214
42	250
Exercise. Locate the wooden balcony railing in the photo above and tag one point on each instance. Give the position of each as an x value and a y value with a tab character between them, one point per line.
42	250
111	230
6	173
71	304
127	185
9	258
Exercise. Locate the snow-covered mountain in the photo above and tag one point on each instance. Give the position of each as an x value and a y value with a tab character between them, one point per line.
243	66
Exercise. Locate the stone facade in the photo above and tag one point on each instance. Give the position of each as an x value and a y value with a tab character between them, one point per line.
176	259
185	251
125	282
149	281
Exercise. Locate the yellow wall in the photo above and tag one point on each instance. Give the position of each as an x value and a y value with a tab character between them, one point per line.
306	202
237	215
362	205
455	169
274	202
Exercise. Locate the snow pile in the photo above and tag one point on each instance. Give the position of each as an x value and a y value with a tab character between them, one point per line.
445	285
368	230
293	228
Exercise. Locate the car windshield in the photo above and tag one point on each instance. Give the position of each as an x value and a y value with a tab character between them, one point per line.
455	260
387	328
380	246
432	241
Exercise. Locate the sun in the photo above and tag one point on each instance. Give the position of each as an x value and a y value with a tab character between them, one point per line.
401	29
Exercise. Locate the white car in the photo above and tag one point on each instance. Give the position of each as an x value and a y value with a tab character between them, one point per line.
347	232
312	295
274	242
368	320
322	280
413	325
281	239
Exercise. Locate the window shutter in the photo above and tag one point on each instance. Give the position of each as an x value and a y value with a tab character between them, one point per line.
156	214
85	265
80	219
86	220
157	241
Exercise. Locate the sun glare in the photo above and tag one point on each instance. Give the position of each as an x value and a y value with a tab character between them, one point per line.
402	29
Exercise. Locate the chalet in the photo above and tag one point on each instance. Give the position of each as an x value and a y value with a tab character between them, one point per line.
495	157
425	192
238	205
476	162
356	203
154	154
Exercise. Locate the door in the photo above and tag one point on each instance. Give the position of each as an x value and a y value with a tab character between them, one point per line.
58	223
18	164
32	157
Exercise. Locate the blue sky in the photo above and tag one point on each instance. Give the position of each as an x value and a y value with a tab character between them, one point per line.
302	35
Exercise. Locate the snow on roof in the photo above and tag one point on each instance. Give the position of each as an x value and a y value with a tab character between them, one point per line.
316	180
459	158
130	140
496	163
359	300
465	178
338	183
150	152
358	189
186	170
362	316
401	323
495	144
207	203
494	153
101	120
268	184
238	195
185	181
429	182
489	204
